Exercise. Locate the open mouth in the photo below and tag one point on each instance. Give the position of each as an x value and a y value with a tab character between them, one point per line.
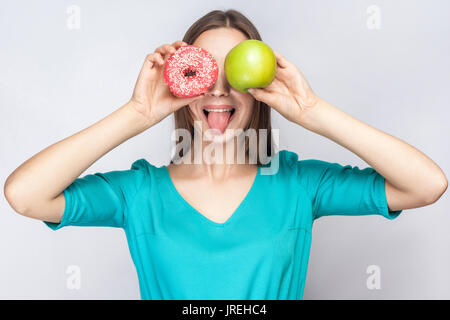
219	117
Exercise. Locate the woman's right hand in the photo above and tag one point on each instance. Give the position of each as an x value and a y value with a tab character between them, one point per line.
151	95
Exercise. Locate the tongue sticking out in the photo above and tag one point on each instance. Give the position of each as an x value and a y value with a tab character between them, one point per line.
218	120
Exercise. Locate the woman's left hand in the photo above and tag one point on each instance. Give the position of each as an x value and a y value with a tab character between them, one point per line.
289	93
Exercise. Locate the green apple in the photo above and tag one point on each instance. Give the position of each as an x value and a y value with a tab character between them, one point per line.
250	64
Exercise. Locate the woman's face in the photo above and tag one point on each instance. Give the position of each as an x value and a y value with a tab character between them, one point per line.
221	96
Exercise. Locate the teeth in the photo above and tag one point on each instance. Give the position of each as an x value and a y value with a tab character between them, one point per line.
219	110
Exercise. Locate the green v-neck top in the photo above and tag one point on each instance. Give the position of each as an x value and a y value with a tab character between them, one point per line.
260	252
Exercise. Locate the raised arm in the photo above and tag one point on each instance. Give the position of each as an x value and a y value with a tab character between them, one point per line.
35	188
412	179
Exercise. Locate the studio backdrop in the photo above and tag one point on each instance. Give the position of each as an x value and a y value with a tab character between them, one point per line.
67	64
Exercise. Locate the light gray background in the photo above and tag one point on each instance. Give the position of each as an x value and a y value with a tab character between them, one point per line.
55	81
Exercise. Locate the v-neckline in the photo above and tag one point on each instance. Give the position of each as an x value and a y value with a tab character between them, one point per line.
202	217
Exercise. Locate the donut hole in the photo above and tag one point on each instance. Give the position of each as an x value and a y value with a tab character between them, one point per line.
189	73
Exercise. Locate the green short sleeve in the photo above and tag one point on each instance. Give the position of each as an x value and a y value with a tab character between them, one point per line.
101	199
344	190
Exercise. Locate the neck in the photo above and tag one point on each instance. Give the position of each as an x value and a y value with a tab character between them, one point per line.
218	159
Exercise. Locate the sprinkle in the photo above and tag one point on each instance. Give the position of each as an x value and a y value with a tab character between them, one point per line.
190	71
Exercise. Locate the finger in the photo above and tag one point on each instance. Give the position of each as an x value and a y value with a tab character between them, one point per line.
275	86
262	95
159	58
180	102
282	73
165	50
281	60
150	60
179	43
155	59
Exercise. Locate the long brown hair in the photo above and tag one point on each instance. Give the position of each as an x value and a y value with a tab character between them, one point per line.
261	115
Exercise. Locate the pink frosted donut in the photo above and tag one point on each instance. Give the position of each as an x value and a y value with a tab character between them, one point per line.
190	71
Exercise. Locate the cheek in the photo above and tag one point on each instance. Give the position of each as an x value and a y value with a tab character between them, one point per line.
193	112
248	102
250	107
246	115
249	115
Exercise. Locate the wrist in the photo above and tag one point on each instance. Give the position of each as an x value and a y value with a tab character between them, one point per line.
310	114
137	120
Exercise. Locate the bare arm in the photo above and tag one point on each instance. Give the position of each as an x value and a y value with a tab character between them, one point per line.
35	188
412	179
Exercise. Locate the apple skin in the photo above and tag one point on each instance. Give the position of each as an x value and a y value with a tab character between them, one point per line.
250	64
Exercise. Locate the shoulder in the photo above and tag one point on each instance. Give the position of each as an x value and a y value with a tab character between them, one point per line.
142	165
292	161
146	170
307	172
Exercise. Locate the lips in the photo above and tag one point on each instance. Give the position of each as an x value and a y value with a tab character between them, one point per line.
218	116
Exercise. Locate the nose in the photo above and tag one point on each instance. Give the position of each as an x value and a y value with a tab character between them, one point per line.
216	92
220	87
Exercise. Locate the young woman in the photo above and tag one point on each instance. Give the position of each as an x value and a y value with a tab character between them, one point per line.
221	230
